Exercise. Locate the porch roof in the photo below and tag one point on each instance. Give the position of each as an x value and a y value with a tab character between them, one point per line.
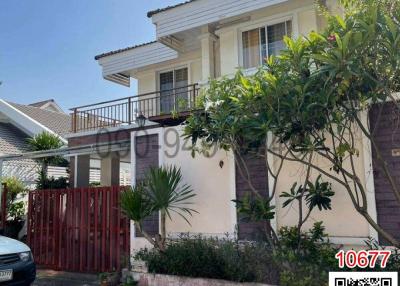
69	151
119	65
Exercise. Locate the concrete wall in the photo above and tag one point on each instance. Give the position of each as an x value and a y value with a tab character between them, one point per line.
343	223
213	185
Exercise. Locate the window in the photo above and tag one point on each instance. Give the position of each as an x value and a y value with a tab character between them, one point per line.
262	42
173	88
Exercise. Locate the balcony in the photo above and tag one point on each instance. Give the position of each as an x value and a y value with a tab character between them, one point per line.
167	107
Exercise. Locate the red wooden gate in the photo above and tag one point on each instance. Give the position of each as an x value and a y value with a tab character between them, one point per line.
78	229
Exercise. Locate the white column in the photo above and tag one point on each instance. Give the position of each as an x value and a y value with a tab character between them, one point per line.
369	177
207	41
81	171
110	170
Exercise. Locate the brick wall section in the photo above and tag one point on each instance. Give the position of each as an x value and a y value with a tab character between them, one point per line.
146	157
147	279
257	169
387	137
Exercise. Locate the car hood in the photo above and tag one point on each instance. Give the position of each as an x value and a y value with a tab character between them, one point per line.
8	246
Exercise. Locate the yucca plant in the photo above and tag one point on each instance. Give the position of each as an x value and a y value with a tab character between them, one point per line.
161	191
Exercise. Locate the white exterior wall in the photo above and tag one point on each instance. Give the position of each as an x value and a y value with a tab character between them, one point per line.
213	185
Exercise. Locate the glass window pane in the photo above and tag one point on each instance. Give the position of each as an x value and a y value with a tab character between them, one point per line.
289	28
263	40
251	48
166	80
181	91
276	34
166	93
181	77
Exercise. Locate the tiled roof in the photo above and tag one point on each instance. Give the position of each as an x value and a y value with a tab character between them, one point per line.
151	13
12	139
58	122
41	103
122	50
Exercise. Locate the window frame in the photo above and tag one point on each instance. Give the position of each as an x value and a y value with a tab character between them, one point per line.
264	23
173	69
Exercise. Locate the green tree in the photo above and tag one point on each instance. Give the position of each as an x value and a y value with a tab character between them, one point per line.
42	142
162	191
306	105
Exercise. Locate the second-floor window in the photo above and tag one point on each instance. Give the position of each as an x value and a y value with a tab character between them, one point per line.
173	89
264	41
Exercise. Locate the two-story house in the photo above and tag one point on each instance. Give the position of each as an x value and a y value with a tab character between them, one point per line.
198	40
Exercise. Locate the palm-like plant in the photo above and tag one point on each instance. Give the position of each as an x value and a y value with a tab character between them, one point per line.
162	191
46	141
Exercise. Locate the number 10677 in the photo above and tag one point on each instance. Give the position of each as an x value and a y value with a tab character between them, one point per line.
363	258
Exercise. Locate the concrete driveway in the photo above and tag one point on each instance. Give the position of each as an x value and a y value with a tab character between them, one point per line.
59	278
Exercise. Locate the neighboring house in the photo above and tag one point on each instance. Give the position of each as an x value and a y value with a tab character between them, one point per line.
19	122
198	40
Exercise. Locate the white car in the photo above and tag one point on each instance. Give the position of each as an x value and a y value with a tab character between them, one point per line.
16	263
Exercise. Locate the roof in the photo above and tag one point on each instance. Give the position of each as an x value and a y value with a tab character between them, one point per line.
122	50
12	139
151	13
58	122
41	103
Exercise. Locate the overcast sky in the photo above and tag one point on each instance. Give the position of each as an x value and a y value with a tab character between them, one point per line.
47	47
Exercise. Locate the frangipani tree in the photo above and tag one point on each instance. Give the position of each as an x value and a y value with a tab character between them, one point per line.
307	104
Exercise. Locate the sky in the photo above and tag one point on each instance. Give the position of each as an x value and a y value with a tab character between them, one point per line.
47	47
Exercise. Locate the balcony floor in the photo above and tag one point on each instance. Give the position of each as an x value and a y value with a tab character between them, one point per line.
169	120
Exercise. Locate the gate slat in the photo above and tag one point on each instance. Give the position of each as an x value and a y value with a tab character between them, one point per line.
29	237
73	226
36	225
55	226
96	214
88	252
61	237
68	236
118	223
81	232
110	229
103	231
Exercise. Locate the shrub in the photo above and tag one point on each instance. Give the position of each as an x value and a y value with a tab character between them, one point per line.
45	183
213	258
15	206
308	259
305	260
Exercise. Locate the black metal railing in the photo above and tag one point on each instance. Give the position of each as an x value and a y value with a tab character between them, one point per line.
124	111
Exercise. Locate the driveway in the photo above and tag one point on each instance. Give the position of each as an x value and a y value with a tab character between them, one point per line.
59	278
